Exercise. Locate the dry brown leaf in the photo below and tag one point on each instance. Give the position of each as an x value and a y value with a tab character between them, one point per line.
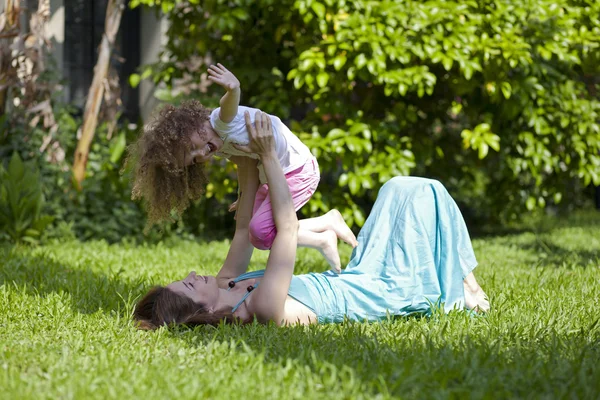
34	121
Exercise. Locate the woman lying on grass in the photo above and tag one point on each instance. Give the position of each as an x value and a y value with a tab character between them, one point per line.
413	253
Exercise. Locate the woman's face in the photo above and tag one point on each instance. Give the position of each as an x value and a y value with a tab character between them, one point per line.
201	289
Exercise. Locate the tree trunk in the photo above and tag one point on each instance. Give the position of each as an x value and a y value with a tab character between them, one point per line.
114	11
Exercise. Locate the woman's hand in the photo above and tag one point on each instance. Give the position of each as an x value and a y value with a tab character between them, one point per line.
262	141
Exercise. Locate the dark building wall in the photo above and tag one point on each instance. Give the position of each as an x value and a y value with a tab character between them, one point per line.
84	27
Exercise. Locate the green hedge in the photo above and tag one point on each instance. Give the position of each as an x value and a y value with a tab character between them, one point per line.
495	98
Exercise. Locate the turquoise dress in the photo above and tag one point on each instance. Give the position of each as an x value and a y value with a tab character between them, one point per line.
413	253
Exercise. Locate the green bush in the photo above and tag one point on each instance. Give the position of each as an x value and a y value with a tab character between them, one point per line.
495	98
21	202
103	208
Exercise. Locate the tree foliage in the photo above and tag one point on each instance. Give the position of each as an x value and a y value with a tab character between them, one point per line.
498	99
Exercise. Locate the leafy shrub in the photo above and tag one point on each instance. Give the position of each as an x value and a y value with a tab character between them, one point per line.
498	99
103	209
21	202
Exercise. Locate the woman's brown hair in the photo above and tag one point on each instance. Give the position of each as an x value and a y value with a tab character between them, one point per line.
160	177
161	306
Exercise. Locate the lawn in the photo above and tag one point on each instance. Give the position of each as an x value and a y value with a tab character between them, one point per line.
66	332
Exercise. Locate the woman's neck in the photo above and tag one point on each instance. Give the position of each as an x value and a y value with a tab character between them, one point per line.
230	298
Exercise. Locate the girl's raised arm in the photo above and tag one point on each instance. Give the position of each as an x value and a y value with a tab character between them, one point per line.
231	99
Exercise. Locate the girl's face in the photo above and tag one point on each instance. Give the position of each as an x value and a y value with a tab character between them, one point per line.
204	145
200	289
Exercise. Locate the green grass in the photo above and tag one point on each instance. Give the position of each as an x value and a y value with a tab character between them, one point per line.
65	330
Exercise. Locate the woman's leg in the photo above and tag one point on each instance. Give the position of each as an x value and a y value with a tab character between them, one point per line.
416	242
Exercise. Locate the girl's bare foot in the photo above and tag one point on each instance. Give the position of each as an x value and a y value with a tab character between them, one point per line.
330	251
341	229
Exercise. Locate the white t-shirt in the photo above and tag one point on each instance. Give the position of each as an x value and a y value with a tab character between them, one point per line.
292	153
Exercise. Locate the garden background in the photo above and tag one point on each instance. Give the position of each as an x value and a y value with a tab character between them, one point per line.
496	99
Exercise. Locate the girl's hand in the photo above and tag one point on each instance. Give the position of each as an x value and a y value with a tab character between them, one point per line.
222	77
262	141
233	206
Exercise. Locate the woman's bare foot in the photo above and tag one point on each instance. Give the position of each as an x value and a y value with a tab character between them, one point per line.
475	297
476	301
340	228
330	251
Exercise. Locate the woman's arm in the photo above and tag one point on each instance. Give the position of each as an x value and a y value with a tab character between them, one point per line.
240	251
268	302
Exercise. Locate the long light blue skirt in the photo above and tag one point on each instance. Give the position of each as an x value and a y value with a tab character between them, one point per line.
413	254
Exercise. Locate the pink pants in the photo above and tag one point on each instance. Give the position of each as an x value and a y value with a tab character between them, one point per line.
302	183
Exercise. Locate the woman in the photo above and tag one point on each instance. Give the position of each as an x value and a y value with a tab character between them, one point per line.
413	253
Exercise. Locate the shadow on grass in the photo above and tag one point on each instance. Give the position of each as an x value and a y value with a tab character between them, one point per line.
89	291
388	359
587	218
550	253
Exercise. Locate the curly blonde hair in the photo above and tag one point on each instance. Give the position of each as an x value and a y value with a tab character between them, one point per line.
160	178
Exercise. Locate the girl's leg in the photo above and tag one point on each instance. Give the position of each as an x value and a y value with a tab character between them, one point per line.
319	233
325	242
322	233
334	221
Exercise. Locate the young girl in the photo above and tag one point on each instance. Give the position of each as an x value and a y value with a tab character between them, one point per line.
170	155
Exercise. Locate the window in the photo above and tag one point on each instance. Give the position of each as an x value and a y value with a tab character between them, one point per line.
84	27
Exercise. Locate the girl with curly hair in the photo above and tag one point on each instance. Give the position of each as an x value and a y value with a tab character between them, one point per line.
171	154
